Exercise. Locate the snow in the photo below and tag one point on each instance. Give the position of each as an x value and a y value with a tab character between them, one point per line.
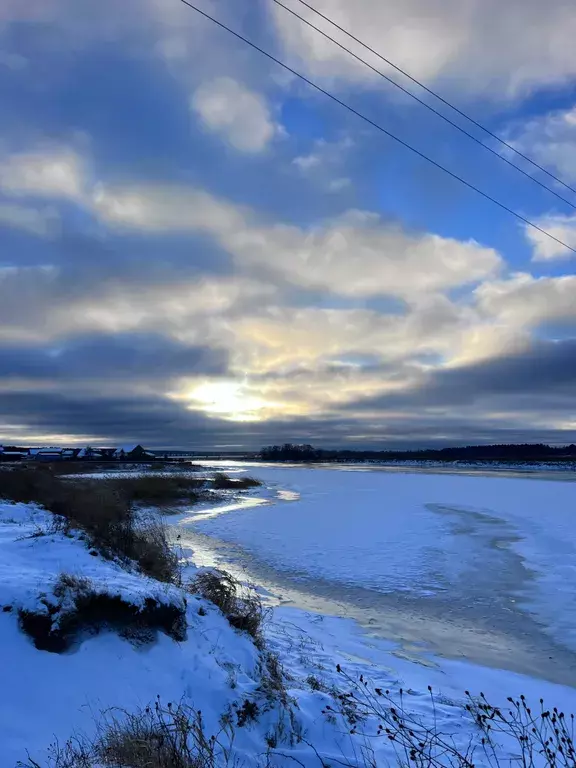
313	644
422	534
30	563
50	696
386	531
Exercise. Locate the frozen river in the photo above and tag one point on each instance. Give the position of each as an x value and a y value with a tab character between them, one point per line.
476	568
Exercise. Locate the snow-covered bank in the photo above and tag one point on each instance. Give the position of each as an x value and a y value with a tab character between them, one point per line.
215	668
50	696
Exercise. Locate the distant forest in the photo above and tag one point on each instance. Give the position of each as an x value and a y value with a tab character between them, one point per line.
526	452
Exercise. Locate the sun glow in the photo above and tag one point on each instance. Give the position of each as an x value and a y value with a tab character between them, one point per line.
228	399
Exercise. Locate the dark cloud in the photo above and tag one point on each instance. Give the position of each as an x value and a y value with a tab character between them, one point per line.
449	408
144	356
540	378
162	423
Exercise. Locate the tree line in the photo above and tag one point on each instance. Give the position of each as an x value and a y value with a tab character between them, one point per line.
506	452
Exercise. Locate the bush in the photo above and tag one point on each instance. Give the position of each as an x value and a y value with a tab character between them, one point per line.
79	607
104	511
241	605
532	736
29	485
154	737
222	482
151	549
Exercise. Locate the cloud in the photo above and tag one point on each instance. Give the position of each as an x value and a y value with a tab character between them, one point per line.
324	163
56	173
550	139
356	254
281	338
561	227
524	301
541	378
529	42
43	222
239	116
74	298
165	209
146	357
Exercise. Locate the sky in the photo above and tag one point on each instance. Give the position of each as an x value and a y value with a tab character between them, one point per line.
199	250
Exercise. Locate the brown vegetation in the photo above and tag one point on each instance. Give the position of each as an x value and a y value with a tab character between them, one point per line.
104	511
158	736
240	604
158	488
223	482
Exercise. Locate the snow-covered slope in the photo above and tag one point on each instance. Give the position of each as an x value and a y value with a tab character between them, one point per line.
49	696
35	553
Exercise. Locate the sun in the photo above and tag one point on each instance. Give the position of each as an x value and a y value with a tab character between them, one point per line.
228	399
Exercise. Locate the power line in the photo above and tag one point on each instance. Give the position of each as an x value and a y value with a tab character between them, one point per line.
376	125
431	92
424	103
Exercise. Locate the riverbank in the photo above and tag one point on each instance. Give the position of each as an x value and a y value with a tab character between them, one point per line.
258	713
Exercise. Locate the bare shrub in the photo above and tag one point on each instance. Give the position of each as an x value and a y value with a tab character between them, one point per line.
158	736
79	607
316	684
273	678
247	712
29	485
152	551
174	736
240	604
532	737
222	482
545	736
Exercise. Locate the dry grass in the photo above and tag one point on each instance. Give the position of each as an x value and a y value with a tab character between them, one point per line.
174	736
158	488
171	736
104	511
532	737
240	604
223	482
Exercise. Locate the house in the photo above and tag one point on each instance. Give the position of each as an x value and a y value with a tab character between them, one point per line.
133	452
49	454
12	453
52	454
89	453
8	455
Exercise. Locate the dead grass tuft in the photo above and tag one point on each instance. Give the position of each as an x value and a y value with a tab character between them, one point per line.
158	736
240	604
161	488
